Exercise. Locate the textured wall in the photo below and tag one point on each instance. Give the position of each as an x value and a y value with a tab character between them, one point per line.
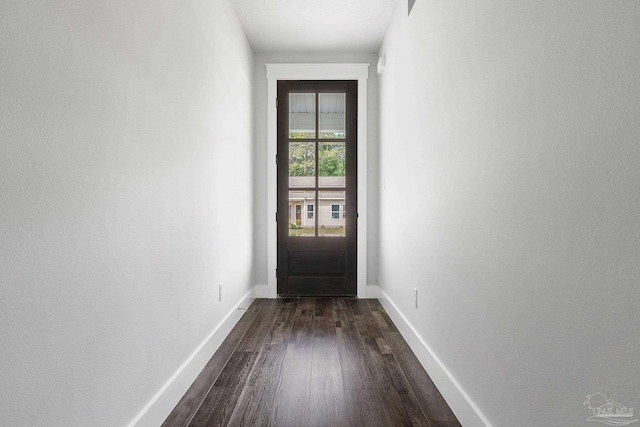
126	139
509	141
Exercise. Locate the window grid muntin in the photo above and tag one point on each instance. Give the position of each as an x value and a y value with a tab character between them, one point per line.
317	140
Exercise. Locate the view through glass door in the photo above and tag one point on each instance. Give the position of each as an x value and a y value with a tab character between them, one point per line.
317	187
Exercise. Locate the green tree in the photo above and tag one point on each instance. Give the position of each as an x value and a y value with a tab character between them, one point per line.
302	159
331	160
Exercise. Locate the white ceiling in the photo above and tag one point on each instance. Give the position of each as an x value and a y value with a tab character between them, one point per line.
315	25
329	103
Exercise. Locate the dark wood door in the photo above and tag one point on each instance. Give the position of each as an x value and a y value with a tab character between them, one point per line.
317	187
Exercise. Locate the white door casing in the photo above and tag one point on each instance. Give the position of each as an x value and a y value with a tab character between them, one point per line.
275	72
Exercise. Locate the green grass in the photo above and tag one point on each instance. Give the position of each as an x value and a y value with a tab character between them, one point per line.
311	232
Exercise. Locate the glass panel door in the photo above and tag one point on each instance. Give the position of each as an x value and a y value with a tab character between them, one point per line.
317	187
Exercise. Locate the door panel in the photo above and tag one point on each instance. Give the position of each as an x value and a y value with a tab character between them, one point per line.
317	193
316	263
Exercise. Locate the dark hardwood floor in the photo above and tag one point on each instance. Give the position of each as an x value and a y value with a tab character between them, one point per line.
313	362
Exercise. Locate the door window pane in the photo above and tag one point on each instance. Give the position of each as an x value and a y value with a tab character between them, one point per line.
331	164
301	213
330	220
302	115
332	111
302	164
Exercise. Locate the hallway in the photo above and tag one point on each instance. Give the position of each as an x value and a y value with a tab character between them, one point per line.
498	167
313	362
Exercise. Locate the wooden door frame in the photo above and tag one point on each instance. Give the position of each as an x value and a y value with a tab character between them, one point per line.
275	72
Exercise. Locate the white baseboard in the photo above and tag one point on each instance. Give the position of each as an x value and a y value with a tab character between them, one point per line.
461	404
264	291
373	291
159	408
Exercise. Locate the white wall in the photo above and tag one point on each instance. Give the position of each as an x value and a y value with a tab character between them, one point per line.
122	125
516	125
261	161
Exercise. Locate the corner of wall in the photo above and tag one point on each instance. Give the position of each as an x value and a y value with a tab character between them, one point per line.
373	291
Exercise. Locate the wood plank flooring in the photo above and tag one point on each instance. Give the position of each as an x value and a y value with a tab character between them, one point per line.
313	362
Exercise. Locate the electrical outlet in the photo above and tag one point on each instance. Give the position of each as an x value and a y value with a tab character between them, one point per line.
220	291
415	297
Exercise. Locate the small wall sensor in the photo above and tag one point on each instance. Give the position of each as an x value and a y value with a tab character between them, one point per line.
382	64
411	3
